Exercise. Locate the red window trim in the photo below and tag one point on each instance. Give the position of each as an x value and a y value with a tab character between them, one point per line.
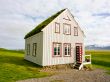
64	50
63	28
56	28
53	49
74	31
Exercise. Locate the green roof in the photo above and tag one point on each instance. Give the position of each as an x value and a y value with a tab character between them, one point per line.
38	28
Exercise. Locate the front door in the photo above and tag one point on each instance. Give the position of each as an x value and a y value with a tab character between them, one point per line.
79	53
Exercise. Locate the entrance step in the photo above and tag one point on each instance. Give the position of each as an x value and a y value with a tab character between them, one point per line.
78	65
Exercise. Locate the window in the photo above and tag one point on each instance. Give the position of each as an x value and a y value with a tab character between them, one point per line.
67	18
34	49
57	49
67	49
57	27
28	49
67	29
75	31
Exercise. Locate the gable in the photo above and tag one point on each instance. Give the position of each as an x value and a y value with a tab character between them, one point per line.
42	25
67	18
70	15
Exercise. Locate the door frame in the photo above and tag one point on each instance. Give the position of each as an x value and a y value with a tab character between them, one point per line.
79	44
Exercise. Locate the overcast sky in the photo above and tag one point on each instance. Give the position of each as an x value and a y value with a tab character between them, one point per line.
17	17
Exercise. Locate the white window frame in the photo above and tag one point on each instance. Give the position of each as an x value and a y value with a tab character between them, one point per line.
67	49
34	53
58	51
67	29
28	49
75	31
57	27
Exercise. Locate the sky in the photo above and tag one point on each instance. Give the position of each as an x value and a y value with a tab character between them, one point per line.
18	17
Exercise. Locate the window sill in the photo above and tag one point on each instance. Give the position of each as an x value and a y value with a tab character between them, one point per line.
57	56
67	55
67	34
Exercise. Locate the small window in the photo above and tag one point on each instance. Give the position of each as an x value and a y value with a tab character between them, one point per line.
56	49
67	29
34	49
75	31
67	49
57	27
67	18
28	49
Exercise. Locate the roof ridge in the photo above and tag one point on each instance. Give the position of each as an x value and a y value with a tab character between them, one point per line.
43	24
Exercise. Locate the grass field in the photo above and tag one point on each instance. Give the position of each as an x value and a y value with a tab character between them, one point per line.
13	67
100	59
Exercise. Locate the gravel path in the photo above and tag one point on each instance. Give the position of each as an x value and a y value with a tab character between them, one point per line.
72	75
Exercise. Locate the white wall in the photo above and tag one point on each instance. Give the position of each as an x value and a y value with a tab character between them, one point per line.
49	36
37	38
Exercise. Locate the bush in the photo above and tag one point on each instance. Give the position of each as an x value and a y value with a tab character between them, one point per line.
88	67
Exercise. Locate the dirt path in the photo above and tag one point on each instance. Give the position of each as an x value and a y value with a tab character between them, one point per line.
73	75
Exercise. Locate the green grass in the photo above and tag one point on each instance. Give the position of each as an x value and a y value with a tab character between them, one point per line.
13	67
100	59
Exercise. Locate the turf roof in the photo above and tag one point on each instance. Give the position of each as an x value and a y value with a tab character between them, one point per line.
38	28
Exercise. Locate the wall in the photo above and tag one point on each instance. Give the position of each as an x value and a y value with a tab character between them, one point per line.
37	38
49	36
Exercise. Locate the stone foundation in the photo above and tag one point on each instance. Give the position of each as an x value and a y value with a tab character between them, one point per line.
58	67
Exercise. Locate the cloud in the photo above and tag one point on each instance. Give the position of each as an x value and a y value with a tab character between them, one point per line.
17	17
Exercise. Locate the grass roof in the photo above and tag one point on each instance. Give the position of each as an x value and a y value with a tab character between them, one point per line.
38	28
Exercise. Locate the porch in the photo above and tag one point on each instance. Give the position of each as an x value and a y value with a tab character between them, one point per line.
87	59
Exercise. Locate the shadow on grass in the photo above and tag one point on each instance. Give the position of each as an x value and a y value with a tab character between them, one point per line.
17	61
101	63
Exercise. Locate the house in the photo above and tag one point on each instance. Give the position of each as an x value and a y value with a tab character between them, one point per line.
57	40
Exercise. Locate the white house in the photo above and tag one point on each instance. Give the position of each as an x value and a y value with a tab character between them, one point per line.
57	40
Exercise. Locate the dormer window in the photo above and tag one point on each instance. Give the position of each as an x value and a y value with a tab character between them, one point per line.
57	27
75	31
67	29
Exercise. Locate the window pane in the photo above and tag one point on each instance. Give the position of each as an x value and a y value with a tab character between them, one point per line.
56	48
57	27
67	49
28	49
75	31
67	28
55	53
34	49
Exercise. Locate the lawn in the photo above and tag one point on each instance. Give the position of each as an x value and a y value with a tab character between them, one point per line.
13	67
100	59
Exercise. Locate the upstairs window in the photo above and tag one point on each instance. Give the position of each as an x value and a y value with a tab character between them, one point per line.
57	49
57	27
67	29
67	49
75	31
34	49
28	49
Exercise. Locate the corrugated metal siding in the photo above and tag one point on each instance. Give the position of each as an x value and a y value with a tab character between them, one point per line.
49	37
38	38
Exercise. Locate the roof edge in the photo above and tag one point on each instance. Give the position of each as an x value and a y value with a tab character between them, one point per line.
43	24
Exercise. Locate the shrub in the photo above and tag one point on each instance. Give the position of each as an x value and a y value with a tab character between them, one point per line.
88	67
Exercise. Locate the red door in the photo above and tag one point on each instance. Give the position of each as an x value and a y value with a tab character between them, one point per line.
79	54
